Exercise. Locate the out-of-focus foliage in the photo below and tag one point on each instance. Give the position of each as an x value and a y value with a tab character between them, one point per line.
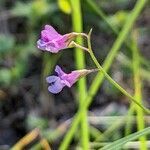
19	52
35	121
6	43
64	5
118	18
33	9
5	76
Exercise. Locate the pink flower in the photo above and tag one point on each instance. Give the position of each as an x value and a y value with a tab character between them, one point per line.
56	83
52	41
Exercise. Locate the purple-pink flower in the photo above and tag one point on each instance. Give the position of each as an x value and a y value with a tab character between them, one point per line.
52	41
56	83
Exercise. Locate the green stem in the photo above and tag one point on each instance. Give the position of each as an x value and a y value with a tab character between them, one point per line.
115	48
109	78
128	125
99	78
138	93
80	64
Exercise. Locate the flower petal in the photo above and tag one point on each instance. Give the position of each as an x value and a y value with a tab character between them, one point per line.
52	32
59	71
50	46
56	86
72	77
41	44
66	83
51	79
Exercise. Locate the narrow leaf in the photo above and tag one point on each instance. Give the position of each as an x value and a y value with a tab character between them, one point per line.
119	143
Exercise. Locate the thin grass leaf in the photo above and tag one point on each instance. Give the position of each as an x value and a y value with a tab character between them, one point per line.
119	143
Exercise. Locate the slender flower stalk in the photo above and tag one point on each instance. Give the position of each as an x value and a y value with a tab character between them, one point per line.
74	44
109	78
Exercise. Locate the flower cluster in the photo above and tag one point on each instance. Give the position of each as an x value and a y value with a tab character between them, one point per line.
53	42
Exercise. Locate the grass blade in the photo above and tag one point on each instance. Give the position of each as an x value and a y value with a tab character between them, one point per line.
119	143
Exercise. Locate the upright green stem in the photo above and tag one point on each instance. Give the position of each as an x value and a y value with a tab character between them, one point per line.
138	93
99	78
109	78
80	63
128	125
115	48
